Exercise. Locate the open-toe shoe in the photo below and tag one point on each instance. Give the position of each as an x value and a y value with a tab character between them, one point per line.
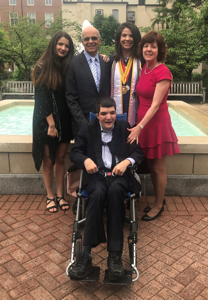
58	199
51	207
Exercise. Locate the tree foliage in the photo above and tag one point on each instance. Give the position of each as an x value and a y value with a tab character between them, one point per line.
107	50
173	10
107	27
179	4
185	30
187	40
162	12
24	42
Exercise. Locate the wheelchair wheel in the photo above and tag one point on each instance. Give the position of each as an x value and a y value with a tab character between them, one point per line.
78	248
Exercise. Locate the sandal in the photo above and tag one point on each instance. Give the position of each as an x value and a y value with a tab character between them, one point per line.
58	199
54	206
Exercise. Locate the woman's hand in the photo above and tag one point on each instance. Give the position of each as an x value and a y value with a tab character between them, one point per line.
134	134
105	57
52	131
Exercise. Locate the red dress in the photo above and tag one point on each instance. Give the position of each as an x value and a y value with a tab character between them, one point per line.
158	137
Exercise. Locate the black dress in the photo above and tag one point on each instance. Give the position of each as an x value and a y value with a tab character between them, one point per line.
49	102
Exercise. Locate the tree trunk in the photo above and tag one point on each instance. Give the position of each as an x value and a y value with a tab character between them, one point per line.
189	73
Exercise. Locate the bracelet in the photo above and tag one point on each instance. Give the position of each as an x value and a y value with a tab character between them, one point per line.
141	126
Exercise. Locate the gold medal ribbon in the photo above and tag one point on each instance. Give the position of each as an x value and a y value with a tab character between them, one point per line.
128	67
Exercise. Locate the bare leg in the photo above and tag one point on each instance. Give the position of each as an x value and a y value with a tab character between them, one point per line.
159	181
60	171
48	177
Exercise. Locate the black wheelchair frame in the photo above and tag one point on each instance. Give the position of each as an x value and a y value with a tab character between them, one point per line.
132	219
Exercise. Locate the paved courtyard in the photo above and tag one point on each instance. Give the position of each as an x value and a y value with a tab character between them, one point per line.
35	250
203	107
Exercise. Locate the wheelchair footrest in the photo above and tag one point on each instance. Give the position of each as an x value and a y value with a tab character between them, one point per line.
125	280
93	276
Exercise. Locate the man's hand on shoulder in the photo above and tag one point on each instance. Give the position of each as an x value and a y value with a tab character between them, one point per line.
120	168
90	166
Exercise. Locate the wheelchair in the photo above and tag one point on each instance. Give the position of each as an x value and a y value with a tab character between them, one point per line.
131	275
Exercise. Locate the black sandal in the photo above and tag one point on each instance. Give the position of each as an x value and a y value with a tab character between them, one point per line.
51	207
58	199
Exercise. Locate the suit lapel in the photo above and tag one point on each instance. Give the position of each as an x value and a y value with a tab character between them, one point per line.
102	70
95	133
84	64
115	142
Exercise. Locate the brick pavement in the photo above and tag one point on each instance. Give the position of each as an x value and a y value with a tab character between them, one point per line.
35	245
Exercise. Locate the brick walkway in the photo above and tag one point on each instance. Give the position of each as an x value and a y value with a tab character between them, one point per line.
35	250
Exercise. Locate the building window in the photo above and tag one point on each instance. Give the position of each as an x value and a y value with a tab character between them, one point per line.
48	2
30	2
141	2
131	16
32	18
13	18
99	11
115	13
48	19
12	2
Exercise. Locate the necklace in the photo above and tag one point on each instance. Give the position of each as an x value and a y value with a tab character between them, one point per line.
149	71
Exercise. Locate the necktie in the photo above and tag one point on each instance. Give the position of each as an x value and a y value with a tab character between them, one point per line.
113	154
94	69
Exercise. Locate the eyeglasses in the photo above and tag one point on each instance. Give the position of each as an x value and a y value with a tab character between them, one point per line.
93	38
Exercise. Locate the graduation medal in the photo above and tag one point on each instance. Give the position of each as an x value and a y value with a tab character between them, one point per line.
125	88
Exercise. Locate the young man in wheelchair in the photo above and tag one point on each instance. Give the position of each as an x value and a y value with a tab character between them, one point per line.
101	147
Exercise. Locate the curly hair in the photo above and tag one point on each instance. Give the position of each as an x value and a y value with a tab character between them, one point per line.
136	37
50	69
152	37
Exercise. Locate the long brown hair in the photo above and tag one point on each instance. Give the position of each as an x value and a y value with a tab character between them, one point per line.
50	69
136	37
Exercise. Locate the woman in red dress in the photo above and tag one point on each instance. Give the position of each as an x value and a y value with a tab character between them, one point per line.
154	131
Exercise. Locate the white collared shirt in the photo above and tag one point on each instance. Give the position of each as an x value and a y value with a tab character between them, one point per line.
106	137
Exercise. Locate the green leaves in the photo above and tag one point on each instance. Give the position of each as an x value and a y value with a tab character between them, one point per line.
107	27
186	36
23	43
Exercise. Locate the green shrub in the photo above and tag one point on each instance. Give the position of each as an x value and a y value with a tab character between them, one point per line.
18	75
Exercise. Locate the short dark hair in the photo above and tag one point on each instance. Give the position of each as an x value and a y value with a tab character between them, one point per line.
105	102
152	37
136	37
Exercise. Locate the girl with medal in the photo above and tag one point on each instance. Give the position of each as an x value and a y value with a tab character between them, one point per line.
126	70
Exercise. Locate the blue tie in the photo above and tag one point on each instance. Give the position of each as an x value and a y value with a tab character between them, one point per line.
94	69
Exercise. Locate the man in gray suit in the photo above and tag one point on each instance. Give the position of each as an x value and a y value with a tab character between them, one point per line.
87	79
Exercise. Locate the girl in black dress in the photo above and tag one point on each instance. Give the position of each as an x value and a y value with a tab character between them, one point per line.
52	128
